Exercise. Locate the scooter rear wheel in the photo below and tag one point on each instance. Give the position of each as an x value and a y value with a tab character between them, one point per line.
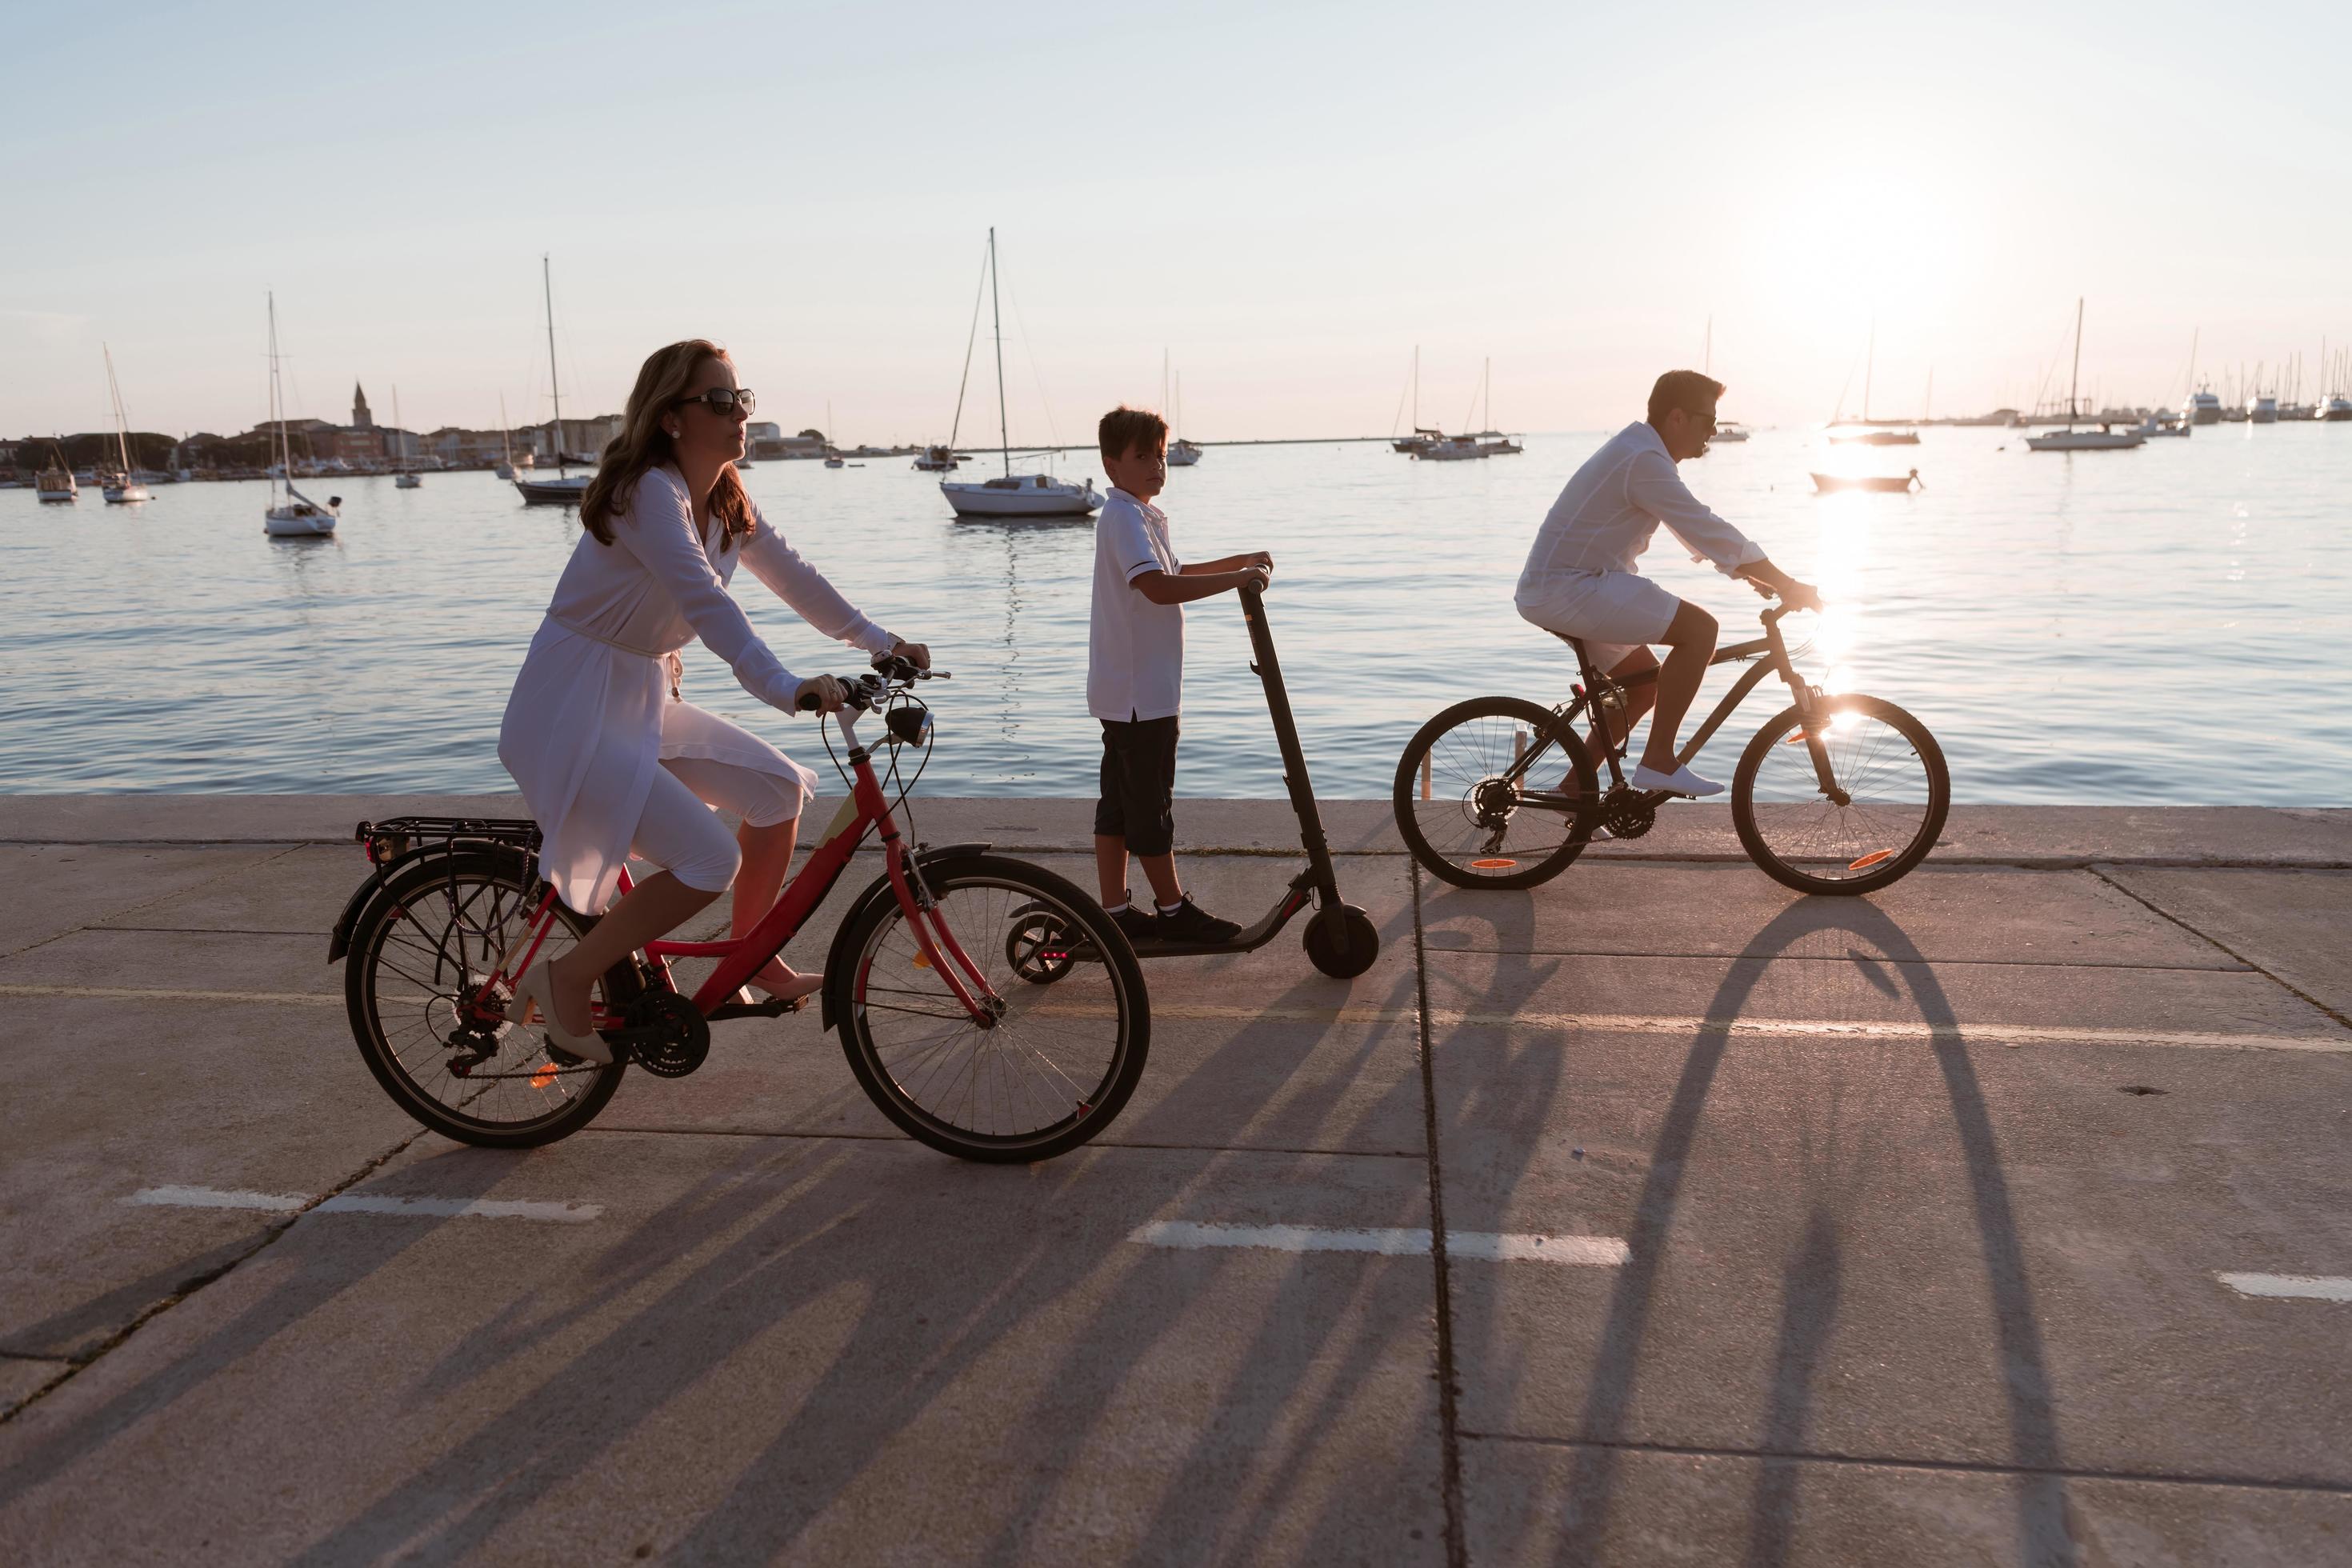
1342	941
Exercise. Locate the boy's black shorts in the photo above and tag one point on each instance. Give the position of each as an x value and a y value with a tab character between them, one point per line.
1139	785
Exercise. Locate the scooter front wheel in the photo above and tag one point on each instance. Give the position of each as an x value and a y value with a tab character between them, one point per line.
1342	941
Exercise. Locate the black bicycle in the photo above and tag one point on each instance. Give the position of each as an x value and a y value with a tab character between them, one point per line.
1836	793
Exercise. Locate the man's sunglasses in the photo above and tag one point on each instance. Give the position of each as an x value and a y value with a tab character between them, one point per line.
725	400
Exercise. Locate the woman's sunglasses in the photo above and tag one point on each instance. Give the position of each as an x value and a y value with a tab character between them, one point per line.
725	400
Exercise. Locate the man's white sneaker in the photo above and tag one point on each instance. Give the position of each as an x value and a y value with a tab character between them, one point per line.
1682	781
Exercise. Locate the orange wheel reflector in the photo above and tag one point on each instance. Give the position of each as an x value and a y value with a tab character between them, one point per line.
922	961
1873	858
1498	863
544	1077
1796	740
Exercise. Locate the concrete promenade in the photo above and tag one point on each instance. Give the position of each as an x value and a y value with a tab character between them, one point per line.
1658	1214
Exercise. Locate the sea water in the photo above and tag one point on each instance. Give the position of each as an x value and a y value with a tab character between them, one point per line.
2171	624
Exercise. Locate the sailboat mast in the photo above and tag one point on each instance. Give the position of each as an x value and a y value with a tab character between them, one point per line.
1706	354
278	406
1869	362
399	448
114	395
2075	378
996	320
554	381
1416	388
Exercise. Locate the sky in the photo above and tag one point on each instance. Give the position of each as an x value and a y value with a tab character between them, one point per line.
1282	200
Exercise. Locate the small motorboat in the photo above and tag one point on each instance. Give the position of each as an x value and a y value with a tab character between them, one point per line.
1727	431
408	481
937	459
57	481
2336	409
564	489
2163	421
1874	437
1881	484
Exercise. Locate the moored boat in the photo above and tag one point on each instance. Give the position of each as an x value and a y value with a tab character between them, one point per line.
55	482
297	515
2103	439
122	485
937	459
565	489
1874	438
1824	484
1011	494
2336	409
2204	408
1182	454
2263	411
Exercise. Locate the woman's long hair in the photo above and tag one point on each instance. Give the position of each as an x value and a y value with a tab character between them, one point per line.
666	375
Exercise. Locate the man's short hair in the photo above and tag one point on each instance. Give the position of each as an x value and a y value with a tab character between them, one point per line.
1683	389
1124	428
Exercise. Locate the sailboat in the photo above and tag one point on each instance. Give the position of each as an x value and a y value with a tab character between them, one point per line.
55	482
297	516
2104	438
833	457
125	486
1873	437
409	478
1013	495
1491	441
1423	435
564	489
1726	430
506	469
1182	454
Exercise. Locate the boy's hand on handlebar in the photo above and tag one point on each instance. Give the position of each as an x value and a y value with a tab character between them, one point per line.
1259	572
820	694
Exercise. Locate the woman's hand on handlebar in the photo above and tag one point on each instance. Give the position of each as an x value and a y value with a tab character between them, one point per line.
820	694
914	653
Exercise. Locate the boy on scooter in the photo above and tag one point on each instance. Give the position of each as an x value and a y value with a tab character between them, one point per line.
1135	678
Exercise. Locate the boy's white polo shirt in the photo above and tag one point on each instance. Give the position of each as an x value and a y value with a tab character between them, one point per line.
1135	663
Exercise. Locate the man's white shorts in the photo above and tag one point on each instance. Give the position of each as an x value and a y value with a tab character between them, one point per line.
1610	613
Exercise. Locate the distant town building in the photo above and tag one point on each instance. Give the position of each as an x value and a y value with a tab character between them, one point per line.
361	419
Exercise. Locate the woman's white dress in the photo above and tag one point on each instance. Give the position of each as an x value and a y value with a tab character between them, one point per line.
591	716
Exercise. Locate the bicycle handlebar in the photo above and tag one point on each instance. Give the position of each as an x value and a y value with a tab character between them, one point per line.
865	692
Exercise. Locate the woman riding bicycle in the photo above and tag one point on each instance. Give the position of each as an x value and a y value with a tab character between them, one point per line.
609	757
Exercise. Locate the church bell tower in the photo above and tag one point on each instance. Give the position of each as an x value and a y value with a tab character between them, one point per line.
361	418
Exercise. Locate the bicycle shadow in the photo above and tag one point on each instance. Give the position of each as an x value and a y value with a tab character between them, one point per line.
1814	1277
774	1235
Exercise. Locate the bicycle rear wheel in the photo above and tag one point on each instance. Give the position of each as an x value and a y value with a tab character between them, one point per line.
1891	772
418	956
1479	825
1050	1067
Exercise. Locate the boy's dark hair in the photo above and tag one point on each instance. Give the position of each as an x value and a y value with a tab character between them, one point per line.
1123	428
1683	389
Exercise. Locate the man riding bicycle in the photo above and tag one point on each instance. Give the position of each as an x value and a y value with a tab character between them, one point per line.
1580	580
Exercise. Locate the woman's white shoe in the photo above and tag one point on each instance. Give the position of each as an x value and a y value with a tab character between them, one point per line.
1682	781
536	988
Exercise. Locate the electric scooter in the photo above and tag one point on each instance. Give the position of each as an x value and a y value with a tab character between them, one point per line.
1340	940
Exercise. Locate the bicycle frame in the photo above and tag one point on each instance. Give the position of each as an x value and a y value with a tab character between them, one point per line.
1608	692
867	809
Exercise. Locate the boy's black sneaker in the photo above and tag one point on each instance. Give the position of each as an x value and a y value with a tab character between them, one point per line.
1190	923
1139	925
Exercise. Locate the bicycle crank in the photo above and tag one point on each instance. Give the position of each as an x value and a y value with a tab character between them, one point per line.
1628	812
666	1034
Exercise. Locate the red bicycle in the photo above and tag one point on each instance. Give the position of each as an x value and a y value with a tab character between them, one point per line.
918	980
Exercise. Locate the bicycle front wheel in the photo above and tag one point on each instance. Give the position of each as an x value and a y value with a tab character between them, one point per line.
1891	793
419	956
1048	1067
1493	793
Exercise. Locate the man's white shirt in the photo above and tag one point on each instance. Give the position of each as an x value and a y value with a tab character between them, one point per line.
1605	517
1135	664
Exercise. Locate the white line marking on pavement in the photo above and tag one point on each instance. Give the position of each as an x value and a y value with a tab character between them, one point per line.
1605	1251
368	1202
1679	1024
143	993
2291	1287
1558	1023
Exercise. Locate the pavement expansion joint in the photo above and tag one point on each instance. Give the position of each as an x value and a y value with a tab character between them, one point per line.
1449	1391
2159	910
1917	1462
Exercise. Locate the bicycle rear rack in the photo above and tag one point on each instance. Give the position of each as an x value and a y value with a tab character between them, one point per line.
388	840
